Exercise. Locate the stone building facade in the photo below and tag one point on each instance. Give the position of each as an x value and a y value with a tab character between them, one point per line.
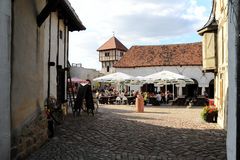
35	60
184	59
220	40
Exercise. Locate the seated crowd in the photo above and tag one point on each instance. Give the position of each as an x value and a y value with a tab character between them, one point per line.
110	95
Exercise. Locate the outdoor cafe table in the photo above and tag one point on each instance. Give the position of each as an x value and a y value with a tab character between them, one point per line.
153	101
131	99
107	99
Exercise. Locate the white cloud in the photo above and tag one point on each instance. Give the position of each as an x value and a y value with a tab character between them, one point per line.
134	22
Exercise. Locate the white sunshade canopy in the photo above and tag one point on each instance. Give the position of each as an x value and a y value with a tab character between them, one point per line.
115	77
167	77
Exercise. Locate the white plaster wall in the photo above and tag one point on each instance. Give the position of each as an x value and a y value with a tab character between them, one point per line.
194	72
232	92
53	53
61	44
118	54
45	25
222	58
5	80
54	39
27	63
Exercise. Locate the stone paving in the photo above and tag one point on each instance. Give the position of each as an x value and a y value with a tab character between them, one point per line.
118	132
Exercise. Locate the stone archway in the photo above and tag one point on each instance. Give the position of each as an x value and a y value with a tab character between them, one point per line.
191	90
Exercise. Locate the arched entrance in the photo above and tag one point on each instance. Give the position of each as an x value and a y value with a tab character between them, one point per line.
211	89
148	88
191	90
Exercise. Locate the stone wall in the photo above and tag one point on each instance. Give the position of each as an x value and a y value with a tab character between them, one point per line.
32	136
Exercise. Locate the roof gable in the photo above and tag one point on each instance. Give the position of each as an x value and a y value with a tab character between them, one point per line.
162	55
65	11
112	43
211	24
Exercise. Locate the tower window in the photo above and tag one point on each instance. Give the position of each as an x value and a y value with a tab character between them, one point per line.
121	54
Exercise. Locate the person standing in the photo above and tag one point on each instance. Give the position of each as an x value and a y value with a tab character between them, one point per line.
159	98
89	97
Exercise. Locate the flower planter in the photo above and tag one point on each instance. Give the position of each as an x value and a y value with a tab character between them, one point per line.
210	114
212	117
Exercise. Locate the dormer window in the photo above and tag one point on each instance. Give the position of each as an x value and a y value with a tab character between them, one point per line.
209	46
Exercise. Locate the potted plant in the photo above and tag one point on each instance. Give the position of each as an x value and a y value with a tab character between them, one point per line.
210	113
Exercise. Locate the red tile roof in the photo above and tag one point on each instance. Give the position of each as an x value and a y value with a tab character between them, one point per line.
162	55
112	43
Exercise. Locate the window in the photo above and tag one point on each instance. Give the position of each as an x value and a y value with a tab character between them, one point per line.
107	68
107	54
60	34
121	54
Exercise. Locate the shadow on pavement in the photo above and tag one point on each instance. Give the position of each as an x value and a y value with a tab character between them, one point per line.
109	135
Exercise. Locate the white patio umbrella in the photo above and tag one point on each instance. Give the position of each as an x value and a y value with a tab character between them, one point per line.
139	80
167	77
115	77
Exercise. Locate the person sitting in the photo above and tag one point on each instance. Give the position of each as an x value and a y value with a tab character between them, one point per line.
145	97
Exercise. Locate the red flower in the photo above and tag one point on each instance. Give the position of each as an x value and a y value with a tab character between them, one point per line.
210	111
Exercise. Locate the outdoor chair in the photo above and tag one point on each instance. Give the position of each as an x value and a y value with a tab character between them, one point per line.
118	100
124	100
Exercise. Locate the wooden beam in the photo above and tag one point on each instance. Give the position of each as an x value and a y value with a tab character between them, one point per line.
50	6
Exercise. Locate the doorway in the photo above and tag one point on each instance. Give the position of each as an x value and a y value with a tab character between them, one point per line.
191	90
211	89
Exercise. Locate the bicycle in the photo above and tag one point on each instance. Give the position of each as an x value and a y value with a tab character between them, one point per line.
54	113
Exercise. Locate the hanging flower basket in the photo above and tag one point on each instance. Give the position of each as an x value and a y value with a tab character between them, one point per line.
210	114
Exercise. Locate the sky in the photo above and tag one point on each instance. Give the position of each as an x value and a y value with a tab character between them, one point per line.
134	22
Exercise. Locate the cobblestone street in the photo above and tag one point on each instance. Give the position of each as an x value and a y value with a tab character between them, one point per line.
118	132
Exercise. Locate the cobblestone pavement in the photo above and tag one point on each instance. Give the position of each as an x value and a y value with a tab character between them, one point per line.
118	132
